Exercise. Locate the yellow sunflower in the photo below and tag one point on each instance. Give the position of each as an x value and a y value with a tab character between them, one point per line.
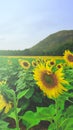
2	102
38	60
25	64
48	81
51	63
8	107
2	82
4	105
59	66
34	63
68	57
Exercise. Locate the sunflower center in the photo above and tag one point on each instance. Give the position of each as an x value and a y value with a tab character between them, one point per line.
70	58
59	66
34	63
51	63
50	80
25	64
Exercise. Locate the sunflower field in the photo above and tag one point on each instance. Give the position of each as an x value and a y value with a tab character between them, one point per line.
36	92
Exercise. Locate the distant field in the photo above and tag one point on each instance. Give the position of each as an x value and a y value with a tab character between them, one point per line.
56	57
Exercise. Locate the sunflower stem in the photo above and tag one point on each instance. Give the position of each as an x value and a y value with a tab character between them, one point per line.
69	100
15	108
56	108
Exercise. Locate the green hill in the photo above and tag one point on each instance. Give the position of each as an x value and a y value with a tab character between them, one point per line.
55	44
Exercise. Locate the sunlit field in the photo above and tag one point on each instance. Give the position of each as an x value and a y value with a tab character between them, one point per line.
36	89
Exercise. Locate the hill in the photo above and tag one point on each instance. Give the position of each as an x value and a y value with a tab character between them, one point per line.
54	44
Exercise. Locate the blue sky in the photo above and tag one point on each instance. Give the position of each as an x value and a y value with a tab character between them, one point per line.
23	23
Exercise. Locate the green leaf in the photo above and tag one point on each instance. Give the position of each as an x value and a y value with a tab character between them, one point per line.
43	113
69	111
30	119
69	124
12	114
22	93
46	110
20	84
51	126
46	113
29	93
3	125
37	97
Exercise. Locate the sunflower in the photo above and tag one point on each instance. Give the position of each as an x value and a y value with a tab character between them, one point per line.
68	57
50	63
38	60
2	82
48	81
25	64
2	102
8	107
34	63
59	66
4	105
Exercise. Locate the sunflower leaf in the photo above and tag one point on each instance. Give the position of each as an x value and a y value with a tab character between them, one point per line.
22	93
